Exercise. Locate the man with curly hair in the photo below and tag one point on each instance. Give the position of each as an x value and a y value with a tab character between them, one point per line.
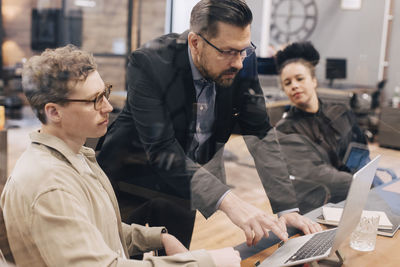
59	206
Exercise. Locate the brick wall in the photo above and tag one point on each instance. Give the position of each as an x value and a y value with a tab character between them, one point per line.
152	19
103	27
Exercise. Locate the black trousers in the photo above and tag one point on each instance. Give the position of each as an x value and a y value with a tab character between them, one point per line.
178	218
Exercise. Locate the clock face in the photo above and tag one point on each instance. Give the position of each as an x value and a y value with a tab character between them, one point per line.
292	20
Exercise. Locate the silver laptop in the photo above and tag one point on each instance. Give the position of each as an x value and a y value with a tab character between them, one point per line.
324	244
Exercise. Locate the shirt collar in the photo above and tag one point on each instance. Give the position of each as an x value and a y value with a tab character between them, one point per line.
302	113
61	147
195	72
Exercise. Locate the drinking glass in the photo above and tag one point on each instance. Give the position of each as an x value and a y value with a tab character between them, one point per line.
363	237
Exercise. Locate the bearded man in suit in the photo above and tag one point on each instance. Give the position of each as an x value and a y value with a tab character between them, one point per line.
186	95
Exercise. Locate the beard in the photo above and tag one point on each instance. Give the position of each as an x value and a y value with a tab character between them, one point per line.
219	78
226	81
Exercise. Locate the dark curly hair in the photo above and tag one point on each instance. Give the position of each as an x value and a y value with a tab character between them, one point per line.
303	52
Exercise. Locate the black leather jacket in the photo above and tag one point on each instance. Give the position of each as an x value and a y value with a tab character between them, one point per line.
312	147
333	127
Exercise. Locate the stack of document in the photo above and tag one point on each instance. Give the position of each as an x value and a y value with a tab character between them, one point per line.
331	216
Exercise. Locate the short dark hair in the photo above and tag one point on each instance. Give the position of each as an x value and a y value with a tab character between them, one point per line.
207	13
48	77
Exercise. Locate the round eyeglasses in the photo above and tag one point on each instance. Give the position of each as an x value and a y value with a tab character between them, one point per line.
98	100
231	54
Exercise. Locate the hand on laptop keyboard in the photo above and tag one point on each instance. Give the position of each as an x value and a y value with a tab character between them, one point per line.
254	222
302	223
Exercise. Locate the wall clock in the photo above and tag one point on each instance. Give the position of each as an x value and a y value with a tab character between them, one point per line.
292	20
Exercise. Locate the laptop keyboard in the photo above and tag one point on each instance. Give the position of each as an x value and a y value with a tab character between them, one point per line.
316	246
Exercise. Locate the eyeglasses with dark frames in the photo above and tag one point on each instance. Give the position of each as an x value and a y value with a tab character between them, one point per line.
231	54
98	100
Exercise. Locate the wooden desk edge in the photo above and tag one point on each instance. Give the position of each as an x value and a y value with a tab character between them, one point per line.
385	253
260	256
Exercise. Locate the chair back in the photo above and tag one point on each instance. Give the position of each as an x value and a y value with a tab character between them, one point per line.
4	245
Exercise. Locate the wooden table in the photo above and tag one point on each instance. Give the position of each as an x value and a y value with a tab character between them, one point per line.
386	253
387	249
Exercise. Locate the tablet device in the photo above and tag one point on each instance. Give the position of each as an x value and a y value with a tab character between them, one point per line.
357	156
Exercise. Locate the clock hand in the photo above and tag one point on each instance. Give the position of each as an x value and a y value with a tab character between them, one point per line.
290	15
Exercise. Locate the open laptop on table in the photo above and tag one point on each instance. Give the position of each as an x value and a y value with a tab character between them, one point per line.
325	244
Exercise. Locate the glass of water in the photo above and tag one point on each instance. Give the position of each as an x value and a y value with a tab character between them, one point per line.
363	237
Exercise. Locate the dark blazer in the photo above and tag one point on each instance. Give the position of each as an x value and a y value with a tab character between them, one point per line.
147	144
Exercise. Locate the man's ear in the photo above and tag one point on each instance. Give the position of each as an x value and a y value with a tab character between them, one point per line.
193	40
53	112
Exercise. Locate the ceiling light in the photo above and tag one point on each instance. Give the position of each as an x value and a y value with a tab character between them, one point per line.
85	3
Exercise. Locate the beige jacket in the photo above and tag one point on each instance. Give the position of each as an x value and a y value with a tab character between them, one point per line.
60	211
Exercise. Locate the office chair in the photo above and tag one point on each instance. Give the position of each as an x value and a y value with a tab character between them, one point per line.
366	107
4	245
